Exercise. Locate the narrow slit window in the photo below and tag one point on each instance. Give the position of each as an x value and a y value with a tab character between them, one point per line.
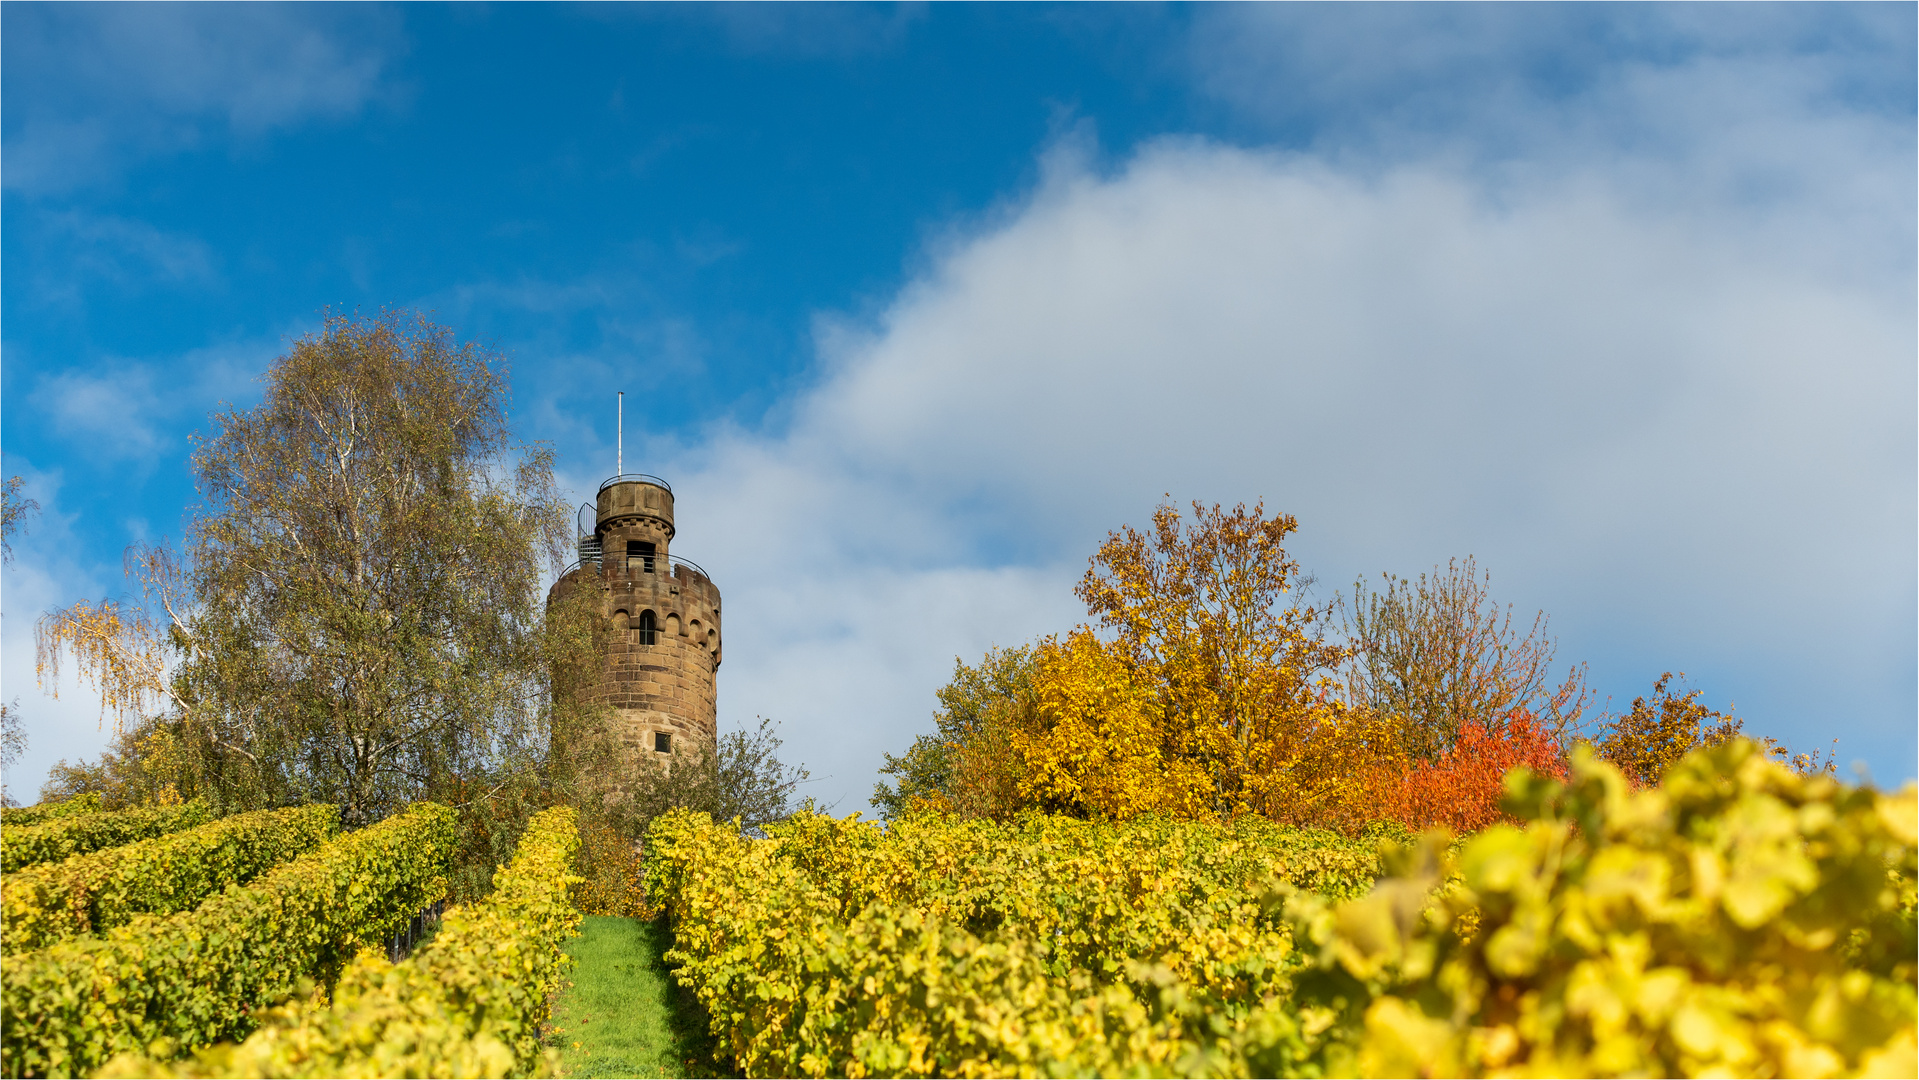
662	742
648	628
639	555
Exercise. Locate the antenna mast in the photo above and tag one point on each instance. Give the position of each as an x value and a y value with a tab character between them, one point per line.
619	453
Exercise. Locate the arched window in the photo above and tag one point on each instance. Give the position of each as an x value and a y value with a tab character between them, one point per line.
648	628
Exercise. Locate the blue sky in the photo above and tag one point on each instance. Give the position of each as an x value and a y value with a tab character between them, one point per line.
913	304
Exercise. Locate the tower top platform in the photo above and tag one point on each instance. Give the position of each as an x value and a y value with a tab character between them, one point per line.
632	495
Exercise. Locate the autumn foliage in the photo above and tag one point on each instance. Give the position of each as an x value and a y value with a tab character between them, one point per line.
1206	688
1462	789
1739	919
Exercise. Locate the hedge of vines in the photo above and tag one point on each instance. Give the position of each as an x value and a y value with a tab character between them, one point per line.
1738	920
64	837
941	946
470	1002
85	803
164	985
93	893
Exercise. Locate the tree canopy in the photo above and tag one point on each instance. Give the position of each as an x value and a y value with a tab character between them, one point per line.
1439	653
1205	690
356	613
1207	687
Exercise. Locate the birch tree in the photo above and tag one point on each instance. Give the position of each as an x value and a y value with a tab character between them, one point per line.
356	613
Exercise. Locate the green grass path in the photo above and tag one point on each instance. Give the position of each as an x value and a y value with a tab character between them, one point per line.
621	1014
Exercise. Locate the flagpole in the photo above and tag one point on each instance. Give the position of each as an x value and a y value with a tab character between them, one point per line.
619	459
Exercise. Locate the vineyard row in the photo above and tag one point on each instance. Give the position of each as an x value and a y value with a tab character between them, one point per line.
470	1002
195	977
1738	919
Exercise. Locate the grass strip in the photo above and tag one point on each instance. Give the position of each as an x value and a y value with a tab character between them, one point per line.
622	1014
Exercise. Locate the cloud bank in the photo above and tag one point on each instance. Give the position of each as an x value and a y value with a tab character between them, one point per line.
1688	437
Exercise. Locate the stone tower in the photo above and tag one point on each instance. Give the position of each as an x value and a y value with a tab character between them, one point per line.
661	617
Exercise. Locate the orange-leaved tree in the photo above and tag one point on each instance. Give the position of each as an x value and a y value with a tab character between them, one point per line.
1212	695
1654	734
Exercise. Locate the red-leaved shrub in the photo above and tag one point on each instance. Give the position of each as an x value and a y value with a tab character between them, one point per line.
1462	789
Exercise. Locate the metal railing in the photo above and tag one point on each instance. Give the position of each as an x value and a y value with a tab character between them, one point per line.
674	560
691	565
638	478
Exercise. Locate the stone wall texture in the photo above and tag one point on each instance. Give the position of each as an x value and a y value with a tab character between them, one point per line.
668	685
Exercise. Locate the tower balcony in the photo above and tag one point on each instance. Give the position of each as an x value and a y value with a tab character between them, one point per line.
680	571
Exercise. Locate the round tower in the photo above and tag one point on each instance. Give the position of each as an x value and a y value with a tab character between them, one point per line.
660	616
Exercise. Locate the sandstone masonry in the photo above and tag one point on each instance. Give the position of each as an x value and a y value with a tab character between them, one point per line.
661	619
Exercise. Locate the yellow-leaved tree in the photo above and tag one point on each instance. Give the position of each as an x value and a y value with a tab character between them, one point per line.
1212	694
1104	741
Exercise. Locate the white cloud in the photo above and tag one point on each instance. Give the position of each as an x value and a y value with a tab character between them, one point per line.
95	87
1804	109
1625	310
123	249
44	575
1690	442
1461	69
129	410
